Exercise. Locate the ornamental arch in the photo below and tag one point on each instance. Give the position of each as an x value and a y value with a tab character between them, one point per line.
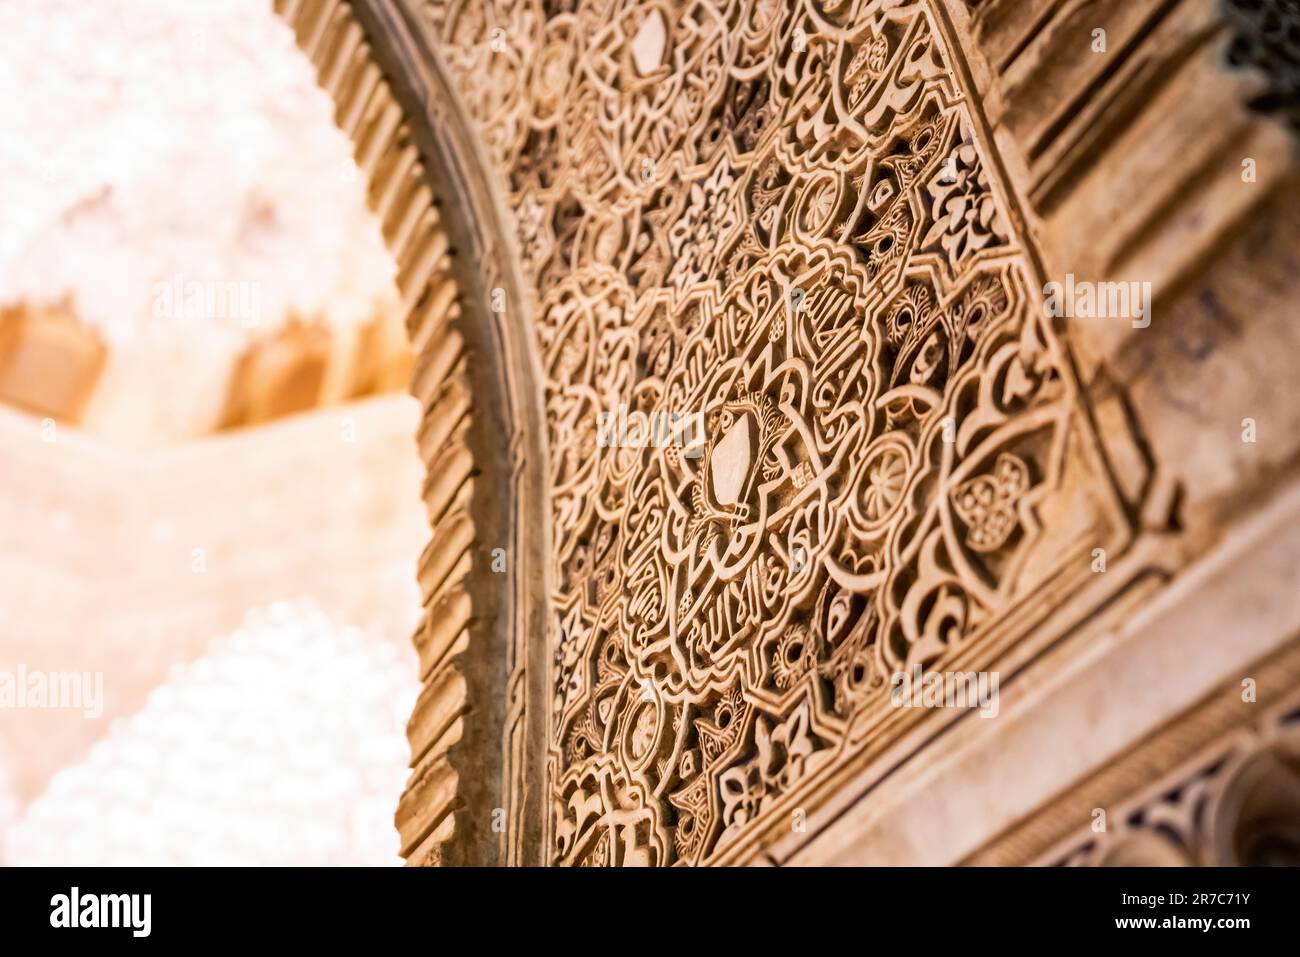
826	229
479	432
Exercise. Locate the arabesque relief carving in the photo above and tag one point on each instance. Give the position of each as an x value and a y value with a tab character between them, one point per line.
780	219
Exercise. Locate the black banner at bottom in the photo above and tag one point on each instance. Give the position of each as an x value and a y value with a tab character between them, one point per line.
434	908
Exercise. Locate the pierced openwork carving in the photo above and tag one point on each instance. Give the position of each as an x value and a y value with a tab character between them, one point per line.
1266	38
1236	806
780	221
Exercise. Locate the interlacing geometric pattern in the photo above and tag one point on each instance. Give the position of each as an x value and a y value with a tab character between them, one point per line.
777	217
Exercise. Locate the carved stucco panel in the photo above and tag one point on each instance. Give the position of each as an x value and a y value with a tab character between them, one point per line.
780	223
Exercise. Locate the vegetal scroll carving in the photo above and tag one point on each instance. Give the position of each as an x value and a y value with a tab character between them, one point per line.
780	218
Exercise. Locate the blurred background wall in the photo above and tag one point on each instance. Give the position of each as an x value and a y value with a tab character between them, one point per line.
209	490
